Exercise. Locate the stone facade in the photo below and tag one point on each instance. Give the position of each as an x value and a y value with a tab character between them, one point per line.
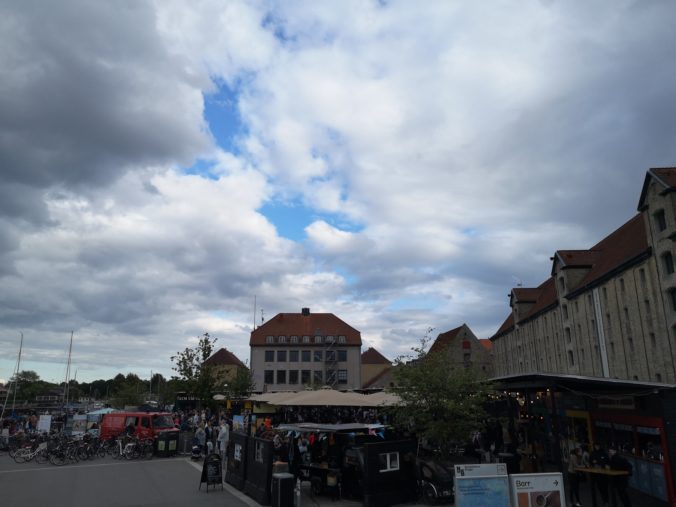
609	311
464	350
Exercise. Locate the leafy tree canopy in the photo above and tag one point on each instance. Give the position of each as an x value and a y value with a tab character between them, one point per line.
441	403
197	377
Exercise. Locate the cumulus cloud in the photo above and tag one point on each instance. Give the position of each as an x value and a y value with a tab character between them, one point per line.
446	150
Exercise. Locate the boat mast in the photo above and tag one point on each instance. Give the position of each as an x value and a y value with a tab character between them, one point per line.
16	380
66	387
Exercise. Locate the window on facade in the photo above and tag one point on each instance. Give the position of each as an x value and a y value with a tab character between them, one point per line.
562	285
612	349
653	340
294	339
668	263
330	339
342	339
268	376
319	356
342	356
621	284
672	296
318	377
330	355
281	376
568	337
626	316
388	462
467	357
281	356
605	294
647	307
466	344
660	220
331	377
269	339
306	339
658	377
630	340
293	356
305	376
564	308
269	356
342	376
281	339
293	376
306	356
571	359
318	339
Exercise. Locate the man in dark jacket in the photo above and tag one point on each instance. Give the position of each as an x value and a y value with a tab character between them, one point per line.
618	462
599	459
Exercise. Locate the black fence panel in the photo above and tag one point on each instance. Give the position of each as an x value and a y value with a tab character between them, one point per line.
259	470
389	473
235	474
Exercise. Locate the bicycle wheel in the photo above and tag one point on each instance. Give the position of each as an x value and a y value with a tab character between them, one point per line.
21	454
57	458
42	457
115	451
148	450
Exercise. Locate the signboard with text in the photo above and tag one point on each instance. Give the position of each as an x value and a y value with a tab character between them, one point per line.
537	490
482	491
480	470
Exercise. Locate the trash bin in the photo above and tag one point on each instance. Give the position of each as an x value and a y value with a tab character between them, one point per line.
282	490
166	443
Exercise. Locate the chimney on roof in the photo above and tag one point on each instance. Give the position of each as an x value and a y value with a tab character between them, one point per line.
305	311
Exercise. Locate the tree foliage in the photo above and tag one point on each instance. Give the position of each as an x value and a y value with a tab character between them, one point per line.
440	402
196	376
241	386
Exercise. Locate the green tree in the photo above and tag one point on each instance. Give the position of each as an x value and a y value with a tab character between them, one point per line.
197	377
241	386
440	403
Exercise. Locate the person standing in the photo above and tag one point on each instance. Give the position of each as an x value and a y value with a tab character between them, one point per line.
223	439
201	437
574	462
618	462
599	459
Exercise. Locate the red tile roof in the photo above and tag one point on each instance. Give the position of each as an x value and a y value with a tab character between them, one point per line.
525	295
488	345
288	324
547	297
224	357
444	339
372	356
507	325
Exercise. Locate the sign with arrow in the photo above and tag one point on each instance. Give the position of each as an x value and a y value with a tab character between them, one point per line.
537	490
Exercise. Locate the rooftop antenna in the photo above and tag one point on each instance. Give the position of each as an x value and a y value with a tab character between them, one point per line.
262	316
254	319
518	281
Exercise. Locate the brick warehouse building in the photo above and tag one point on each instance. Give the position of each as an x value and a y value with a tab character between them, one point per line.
292	351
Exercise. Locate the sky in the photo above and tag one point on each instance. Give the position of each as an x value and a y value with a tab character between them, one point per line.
400	164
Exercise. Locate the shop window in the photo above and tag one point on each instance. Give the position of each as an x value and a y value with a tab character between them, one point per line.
269	356
281	376
388	461
306	356
342	356
293	356
668	263
268	376
660	220
305	376
293	376
281	356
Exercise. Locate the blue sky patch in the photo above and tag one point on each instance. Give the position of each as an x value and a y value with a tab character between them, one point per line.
222	115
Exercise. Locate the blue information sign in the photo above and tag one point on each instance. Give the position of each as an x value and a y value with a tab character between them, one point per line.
482	491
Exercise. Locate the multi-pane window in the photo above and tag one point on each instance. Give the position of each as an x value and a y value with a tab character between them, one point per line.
293	376
269	339
281	356
318	377
293	356
269	356
330	339
660	220
668	262
305	376
318	339
342	376
306	339
281	339
341	339
305	356
268	376
319	355
342	356
281	376
330	355
330	377
388	462
294	339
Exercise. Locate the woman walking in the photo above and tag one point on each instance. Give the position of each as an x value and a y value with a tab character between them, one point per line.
574	462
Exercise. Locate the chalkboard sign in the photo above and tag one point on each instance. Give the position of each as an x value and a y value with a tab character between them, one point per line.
212	473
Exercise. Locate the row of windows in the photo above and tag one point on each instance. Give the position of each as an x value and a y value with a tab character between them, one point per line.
306	356
305	376
306	339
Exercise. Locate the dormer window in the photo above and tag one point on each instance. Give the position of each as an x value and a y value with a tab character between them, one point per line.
269	339
318	339
660	220
341	339
281	339
306	339
330	339
294	339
